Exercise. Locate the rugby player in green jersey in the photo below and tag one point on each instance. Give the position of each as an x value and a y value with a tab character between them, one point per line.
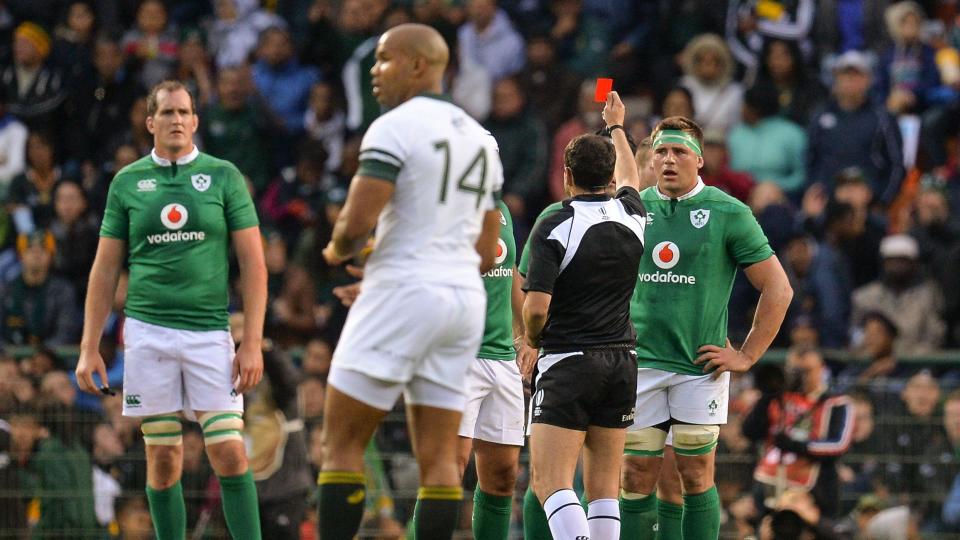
173	215
698	236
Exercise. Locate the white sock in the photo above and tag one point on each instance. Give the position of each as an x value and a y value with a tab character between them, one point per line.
566	517
603	518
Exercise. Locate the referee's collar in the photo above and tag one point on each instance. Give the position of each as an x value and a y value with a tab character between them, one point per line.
591	197
692	193
163	162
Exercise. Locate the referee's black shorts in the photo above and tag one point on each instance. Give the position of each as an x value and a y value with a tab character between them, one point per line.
594	387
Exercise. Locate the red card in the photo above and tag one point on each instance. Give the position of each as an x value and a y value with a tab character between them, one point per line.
604	86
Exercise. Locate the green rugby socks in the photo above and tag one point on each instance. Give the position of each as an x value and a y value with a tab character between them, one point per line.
168	512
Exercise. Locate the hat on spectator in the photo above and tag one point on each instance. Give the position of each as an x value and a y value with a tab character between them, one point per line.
37	36
899	246
40	238
854	60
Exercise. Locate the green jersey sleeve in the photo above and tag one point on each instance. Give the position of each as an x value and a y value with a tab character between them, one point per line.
238	205
525	255
116	221
745	240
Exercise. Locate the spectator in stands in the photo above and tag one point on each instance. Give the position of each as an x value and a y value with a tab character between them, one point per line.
360	25
136	134
72	51
107	449
751	24
76	233
914	303
938	237
911	428
36	88
133	518
551	88
864	248
281	80
30	199
193	67
586	120
278	457
851	131
38	307
951	425
783	69
883	376
679	102
490	39
768	146
317	356
860	467
59	472
841	26
294	201
469	85
325	121
232	35
523	141
311	392
100	103
803	431
55	387
13	144
152	44
716	169
907	73
238	127
708	71
820	275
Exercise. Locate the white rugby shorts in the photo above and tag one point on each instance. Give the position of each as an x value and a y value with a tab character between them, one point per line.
418	339
169	370
494	409
690	399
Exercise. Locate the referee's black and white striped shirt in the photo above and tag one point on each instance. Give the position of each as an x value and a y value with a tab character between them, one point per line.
586	255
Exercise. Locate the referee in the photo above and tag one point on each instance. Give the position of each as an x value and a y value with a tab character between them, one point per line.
583	269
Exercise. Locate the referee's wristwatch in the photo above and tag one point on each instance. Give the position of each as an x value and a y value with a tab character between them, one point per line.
609	129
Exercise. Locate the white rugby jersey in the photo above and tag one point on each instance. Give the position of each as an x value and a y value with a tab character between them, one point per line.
448	173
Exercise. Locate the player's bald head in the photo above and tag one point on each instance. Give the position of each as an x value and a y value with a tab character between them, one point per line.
419	41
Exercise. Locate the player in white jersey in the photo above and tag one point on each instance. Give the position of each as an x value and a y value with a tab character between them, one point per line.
428	179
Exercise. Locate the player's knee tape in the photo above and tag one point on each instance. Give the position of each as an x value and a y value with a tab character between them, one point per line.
646	442
162	431
221	426
694	440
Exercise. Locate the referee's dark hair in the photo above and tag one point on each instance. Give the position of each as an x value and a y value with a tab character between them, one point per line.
169	86
591	159
680	123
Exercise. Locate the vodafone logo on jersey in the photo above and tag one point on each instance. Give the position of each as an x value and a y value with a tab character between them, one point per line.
666	255
501	251
174	216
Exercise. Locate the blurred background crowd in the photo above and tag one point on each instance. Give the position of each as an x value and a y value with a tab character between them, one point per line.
836	121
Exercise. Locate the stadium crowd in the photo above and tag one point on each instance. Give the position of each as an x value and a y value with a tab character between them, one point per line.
836	121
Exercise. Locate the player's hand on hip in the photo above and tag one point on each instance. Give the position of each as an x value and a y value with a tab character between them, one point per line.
718	360
614	112
526	359
247	367
91	362
347	293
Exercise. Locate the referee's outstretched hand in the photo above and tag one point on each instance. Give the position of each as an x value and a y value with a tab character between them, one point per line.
90	361
247	367
717	360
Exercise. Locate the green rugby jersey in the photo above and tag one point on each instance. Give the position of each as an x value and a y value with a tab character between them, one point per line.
498	332
525	255
176	219
694	245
